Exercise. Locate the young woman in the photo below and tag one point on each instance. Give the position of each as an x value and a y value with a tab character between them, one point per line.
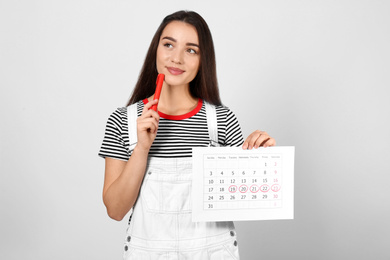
148	153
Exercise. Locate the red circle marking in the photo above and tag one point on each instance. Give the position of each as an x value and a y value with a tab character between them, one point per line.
275	187
266	186
234	189
245	189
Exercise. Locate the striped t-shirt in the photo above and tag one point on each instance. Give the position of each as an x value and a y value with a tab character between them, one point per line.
176	135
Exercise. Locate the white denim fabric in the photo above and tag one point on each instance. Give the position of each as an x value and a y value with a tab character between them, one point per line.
161	226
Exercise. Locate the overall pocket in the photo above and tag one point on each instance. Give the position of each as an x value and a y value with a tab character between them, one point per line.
231	250
166	196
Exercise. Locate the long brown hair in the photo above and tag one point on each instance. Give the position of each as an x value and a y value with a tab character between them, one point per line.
204	85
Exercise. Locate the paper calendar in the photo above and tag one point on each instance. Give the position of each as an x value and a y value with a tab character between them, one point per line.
231	184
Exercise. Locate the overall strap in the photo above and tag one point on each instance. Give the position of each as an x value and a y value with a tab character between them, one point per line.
212	126
132	125
132	116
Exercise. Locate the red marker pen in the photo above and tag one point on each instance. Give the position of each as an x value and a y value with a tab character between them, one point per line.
159	83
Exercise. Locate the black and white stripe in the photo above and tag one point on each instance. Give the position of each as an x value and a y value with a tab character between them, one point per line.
175	138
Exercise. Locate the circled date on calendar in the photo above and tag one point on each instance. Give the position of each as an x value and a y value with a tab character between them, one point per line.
234	184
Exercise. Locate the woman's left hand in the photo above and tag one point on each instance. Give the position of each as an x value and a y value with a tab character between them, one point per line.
258	138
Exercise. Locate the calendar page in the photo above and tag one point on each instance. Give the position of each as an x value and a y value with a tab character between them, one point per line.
232	184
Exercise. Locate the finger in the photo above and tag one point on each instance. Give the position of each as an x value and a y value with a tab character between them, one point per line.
149	114
257	139
269	142
261	140
149	125
248	144
149	105
152	118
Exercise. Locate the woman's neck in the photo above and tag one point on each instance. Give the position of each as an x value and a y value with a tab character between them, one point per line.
176	100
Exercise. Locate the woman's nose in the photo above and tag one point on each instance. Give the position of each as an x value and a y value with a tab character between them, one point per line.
176	57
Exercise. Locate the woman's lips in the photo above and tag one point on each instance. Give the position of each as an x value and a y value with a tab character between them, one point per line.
175	71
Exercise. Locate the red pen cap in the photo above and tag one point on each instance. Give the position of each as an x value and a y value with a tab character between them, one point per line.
160	79
159	83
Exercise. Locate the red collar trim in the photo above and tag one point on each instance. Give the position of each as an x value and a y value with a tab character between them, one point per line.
180	117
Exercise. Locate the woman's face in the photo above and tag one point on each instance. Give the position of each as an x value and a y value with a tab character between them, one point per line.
178	54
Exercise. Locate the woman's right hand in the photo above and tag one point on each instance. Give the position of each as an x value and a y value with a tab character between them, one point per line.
147	125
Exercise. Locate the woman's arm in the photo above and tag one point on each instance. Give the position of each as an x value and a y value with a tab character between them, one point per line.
123	179
258	138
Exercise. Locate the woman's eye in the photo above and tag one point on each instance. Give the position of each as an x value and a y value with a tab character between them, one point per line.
168	45
192	51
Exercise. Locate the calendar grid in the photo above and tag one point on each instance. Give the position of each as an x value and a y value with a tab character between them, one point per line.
234	181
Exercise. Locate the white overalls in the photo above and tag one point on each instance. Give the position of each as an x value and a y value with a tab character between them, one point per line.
161	226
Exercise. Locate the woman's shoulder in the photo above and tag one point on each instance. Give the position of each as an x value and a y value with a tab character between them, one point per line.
121	112
223	109
117	118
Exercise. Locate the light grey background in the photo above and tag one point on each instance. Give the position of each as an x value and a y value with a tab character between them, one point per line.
314	74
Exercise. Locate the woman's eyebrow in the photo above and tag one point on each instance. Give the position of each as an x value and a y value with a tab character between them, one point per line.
192	44
174	40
